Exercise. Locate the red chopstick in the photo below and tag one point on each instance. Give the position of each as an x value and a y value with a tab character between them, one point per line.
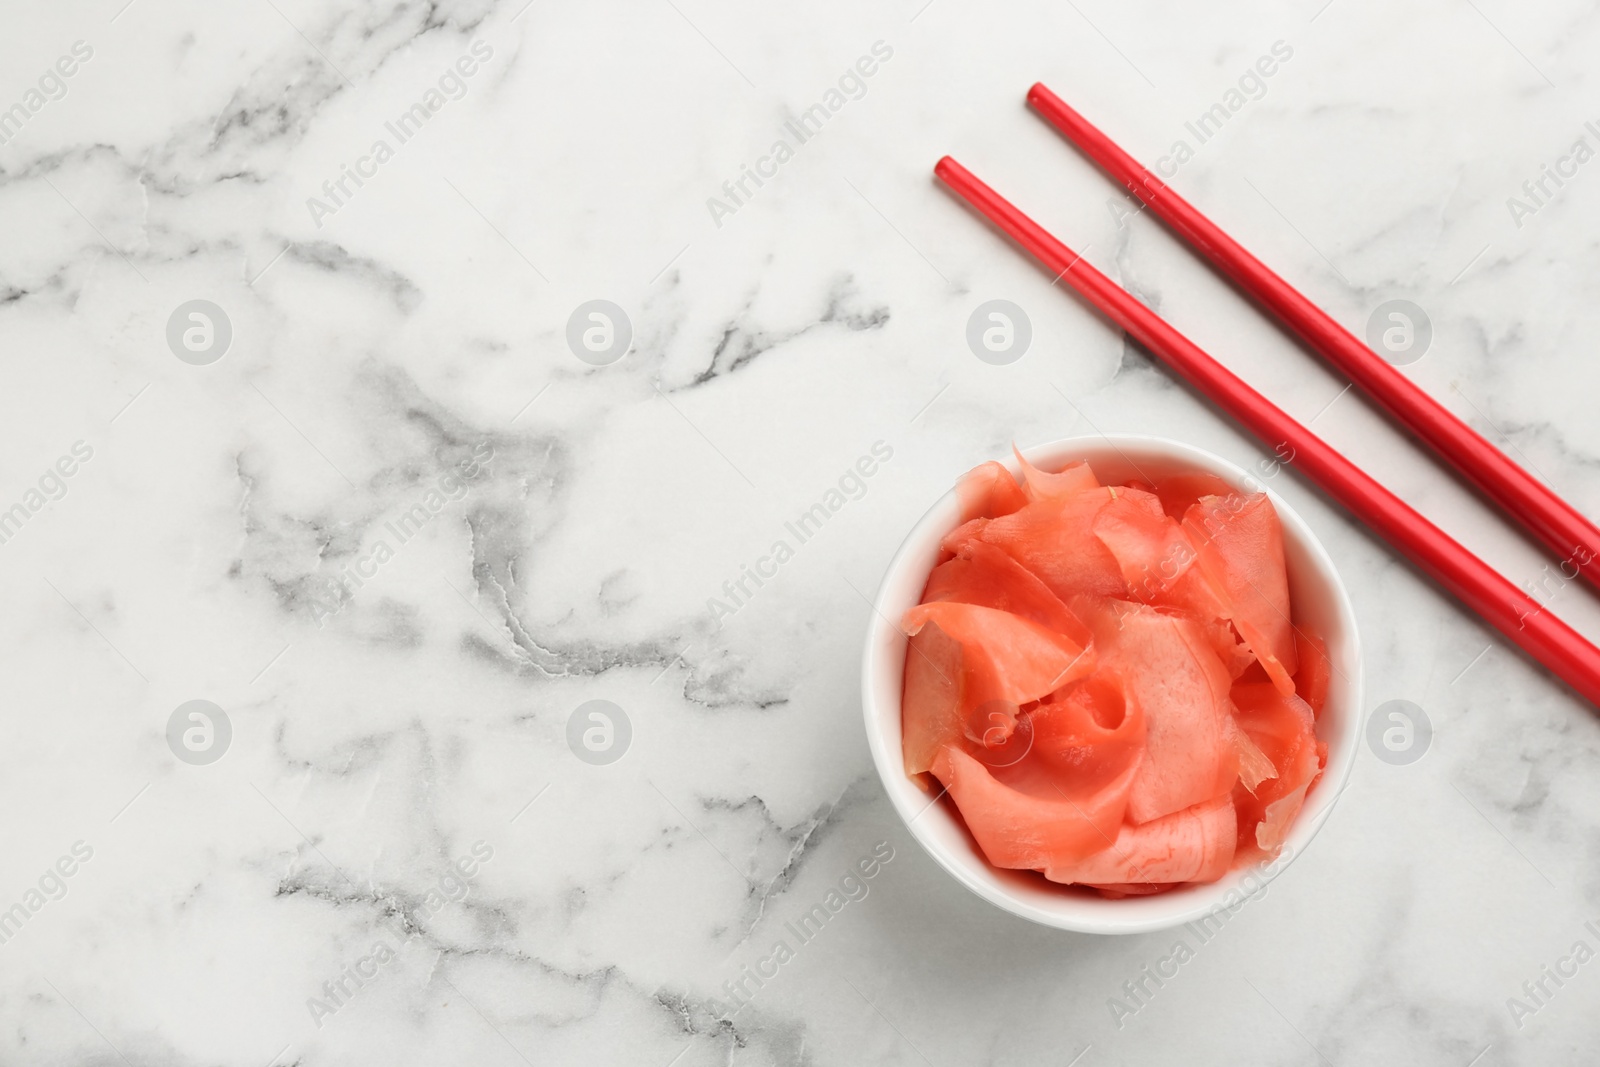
1505	607
1572	537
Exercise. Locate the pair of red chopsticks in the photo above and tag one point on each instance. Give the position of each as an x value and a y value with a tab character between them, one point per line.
1573	538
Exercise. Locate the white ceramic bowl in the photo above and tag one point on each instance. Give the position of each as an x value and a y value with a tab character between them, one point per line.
1319	599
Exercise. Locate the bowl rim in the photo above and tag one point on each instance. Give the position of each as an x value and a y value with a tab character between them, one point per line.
1086	914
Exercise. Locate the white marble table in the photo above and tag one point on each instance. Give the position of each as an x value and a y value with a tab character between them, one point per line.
399	857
